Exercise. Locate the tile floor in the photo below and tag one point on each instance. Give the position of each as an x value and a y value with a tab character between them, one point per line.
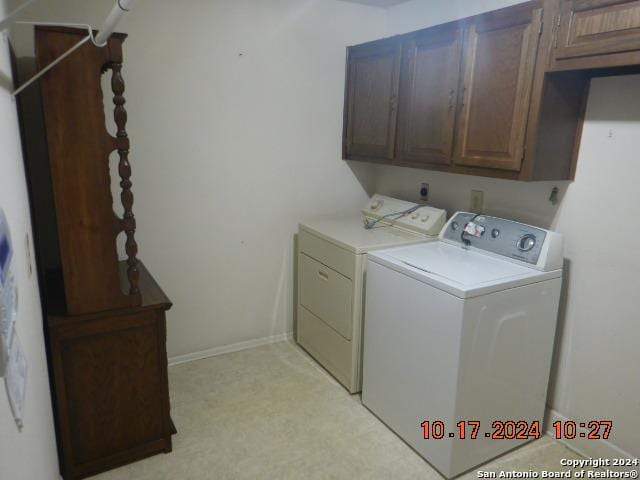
272	413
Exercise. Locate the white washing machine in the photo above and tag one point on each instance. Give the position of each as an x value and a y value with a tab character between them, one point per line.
331	268
462	330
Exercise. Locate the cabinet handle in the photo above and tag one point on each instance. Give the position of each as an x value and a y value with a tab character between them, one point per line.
394	103
557	31
323	275
451	94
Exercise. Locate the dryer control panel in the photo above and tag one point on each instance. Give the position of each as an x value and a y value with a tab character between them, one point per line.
425	219
519	242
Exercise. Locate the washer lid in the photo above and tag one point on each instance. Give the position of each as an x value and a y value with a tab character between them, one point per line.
463	273
349	233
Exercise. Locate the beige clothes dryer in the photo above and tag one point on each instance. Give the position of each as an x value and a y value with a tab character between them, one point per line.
331	274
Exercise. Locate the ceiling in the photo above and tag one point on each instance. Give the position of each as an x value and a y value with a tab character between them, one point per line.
377	3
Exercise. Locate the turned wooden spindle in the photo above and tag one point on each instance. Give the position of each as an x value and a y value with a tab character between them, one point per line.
124	170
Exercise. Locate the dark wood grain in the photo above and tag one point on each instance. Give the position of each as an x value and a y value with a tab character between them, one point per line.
598	62
373	73
519	109
153	298
121	143
105	323
428	95
110	383
499	59
111	388
152	294
596	27
561	118
78	148
522	94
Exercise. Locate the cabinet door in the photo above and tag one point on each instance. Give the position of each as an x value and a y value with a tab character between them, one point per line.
592	27
428	94
499	59
112	397
373	72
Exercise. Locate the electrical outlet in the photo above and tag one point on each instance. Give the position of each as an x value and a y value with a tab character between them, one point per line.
477	201
424	192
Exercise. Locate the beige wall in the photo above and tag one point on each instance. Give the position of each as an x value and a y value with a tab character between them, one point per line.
595	373
235	118
30	454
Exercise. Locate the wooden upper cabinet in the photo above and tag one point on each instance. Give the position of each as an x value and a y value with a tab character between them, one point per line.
501	94
498	68
373	72
590	27
428	94
603	28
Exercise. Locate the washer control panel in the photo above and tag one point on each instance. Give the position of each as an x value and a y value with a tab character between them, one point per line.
425	219
496	235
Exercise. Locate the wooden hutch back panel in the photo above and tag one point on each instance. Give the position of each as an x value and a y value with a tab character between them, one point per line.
79	147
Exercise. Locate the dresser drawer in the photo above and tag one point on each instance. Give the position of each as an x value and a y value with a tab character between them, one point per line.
327	294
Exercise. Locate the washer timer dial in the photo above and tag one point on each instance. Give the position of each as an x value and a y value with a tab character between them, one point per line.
526	242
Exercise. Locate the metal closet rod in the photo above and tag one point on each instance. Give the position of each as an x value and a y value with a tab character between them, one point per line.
7	20
61	57
119	9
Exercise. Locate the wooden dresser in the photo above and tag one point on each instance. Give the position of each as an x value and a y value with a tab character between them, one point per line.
105	324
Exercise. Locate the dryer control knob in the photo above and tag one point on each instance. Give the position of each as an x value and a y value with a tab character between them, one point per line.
376	205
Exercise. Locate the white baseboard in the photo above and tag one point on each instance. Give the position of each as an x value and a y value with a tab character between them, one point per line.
234	347
584	446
